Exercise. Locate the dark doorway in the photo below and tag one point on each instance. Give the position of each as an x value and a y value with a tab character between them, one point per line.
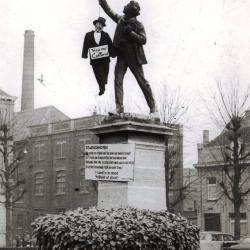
212	222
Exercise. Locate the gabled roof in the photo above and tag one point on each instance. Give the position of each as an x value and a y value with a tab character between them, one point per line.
4	95
26	118
222	138
212	152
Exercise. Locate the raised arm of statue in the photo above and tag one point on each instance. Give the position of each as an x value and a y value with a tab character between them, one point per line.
114	16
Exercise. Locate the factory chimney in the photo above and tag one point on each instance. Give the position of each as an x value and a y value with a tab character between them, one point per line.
27	101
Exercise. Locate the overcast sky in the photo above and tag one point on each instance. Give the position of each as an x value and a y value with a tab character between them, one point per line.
191	44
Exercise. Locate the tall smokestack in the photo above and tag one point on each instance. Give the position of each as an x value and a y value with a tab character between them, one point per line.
28	71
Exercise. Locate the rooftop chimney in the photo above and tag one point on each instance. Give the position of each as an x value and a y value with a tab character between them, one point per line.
205	136
27	101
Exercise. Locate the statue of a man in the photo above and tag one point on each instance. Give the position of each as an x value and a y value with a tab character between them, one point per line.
128	40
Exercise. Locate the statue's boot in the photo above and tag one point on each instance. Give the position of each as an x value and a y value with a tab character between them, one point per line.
154	114
119	110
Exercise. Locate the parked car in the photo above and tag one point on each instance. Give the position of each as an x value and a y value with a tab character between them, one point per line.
211	240
244	244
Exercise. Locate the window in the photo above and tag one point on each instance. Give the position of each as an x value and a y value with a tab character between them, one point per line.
243	227
39	183
19	189
243	224
61	149
217	237
84	185
228	237
212	222
60	182
211	188
19	222
39	152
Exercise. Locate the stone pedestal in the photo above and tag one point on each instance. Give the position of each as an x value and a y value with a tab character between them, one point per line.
147	191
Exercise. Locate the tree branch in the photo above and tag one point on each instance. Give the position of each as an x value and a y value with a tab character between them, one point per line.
226	171
222	184
245	193
19	197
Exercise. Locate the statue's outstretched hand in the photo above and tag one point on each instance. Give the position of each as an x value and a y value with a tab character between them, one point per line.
115	17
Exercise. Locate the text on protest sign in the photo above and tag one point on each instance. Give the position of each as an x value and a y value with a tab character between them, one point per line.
109	162
99	52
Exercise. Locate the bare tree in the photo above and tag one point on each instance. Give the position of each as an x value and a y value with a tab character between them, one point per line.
10	156
172	110
172	106
102	107
228	110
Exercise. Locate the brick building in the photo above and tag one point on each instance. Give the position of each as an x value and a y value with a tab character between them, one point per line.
52	164
21	132
215	211
54	171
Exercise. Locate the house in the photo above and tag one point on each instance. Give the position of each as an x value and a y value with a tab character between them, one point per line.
18	129
215	211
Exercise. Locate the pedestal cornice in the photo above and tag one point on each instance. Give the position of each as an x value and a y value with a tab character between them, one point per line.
132	124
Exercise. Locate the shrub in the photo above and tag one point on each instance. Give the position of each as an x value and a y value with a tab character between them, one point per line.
119	229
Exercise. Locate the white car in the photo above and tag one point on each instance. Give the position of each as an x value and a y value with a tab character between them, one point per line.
212	240
244	244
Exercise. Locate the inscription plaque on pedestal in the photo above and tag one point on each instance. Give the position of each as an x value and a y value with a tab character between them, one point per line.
109	162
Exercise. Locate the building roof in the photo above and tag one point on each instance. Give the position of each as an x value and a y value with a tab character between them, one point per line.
24	119
4	95
212	152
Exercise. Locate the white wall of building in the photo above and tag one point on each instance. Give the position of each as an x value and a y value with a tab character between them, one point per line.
6	115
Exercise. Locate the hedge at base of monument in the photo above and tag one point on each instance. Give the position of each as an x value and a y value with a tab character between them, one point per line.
119	229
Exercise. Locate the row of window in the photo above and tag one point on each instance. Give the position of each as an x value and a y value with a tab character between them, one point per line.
60	182
61	149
